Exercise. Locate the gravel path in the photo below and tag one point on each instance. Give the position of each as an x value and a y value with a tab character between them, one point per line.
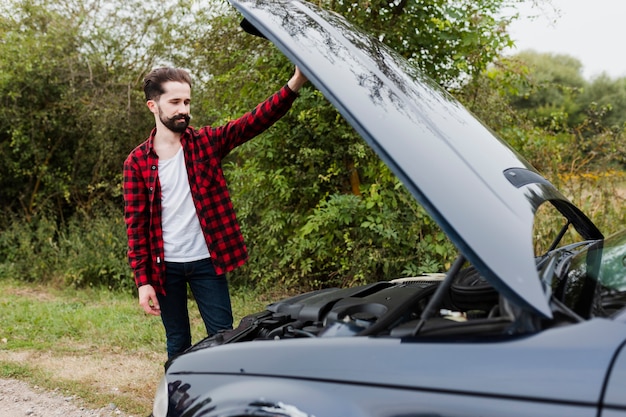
18	399
116	376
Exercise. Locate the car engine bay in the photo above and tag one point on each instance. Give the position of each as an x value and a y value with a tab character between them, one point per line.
470	307
459	304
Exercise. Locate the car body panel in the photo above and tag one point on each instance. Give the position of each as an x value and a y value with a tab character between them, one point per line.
616	388
454	165
314	399
533	366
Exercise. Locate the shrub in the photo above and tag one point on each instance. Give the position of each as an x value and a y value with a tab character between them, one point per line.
86	252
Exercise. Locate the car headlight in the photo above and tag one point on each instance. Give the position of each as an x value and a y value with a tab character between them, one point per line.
161	400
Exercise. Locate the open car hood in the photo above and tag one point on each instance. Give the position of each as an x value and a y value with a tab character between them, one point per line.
479	190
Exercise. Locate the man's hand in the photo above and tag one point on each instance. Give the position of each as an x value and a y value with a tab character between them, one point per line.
297	80
148	300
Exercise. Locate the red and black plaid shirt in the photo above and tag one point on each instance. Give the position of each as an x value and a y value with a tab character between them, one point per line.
204	150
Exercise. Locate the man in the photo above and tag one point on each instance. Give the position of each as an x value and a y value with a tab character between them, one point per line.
180	221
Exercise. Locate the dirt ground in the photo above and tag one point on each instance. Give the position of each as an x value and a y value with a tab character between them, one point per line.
18	399
111	375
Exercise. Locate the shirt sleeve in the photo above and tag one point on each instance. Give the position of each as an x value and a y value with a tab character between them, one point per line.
251	124
137	219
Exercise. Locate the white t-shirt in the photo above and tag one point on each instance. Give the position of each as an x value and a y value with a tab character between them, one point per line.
182	236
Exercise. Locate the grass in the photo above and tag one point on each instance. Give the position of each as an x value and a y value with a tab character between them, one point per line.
44	318
14	370
65	339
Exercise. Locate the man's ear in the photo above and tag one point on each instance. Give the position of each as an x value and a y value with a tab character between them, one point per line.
152	105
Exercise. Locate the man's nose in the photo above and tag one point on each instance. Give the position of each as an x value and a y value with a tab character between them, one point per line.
182	109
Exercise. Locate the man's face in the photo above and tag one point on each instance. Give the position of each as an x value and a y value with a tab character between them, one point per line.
172	107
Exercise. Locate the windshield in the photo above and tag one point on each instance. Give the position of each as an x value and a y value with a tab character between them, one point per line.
596	278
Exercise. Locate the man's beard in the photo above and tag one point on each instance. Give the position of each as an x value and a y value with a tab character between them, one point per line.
177	124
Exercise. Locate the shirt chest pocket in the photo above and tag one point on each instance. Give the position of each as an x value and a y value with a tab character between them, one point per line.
207	173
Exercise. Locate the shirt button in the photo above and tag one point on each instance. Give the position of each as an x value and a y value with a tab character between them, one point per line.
153	167
151	188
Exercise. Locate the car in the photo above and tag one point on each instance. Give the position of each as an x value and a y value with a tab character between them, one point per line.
504	331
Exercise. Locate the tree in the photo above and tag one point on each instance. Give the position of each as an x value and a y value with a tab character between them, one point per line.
554	82
608	96
71	106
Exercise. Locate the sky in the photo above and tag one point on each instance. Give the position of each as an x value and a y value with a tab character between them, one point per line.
593	31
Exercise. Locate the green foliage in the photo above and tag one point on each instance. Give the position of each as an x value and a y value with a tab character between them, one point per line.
70	106
87	252
605	102
14	370
550	97
28	249
488	95
381	235
548	91
82	242
350	240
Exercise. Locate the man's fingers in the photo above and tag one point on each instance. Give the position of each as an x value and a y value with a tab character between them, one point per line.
154	306
149	308
153	311
148	300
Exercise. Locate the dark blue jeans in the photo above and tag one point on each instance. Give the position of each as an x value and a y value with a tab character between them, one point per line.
210	292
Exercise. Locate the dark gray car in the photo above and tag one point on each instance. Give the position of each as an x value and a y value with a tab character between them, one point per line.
503	332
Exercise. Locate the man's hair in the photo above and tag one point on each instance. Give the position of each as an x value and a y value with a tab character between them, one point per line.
154	80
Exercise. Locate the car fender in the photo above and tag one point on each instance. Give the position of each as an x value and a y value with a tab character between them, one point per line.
231	396
614	401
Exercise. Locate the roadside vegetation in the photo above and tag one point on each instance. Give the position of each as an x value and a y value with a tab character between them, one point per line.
92	343
316	206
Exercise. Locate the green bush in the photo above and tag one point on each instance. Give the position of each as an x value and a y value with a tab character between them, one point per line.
29	250
95	254
347	239
88	251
